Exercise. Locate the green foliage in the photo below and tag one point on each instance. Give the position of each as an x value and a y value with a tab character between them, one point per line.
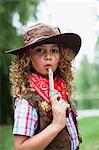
25	9
87	83
9	39
5	101
83	75
87	76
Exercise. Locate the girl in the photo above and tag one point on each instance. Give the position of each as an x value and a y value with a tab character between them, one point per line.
40	121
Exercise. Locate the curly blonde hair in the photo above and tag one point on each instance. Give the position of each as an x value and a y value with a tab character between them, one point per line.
20	70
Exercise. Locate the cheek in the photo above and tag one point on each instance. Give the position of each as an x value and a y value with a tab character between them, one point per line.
57	59
36	61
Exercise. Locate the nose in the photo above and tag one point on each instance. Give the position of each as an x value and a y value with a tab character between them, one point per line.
48	56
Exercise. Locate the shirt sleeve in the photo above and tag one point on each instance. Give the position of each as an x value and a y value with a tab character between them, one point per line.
25	118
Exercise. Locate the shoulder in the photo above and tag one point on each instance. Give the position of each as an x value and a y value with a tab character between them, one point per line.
22	105
20	101
25	118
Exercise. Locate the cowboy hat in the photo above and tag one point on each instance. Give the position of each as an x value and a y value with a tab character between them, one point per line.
42	33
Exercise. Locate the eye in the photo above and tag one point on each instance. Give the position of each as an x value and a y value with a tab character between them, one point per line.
39	50
55	50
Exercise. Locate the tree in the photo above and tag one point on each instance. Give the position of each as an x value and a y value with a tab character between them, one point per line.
87	83
9	39
82	75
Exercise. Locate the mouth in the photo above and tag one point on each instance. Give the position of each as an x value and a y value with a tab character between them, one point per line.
48	65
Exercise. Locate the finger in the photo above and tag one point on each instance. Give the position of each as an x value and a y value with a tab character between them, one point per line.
59	95
64	103
57	92
53	93
61	101
55	98
67	105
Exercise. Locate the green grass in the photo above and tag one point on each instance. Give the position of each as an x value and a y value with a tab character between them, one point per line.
89	128
6	138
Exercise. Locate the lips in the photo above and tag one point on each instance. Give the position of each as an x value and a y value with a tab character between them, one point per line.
48	65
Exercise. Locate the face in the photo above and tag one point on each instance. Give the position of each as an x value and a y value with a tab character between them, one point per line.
45	56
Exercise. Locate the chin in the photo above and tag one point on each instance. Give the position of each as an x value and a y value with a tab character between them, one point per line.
43	72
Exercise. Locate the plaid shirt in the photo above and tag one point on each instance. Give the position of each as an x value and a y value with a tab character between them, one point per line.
25	118
72	131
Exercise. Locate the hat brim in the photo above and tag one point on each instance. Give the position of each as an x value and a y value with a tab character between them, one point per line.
67	40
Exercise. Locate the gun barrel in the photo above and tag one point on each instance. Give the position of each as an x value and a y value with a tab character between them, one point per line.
51	83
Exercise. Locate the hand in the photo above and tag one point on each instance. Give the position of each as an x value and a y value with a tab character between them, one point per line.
59	107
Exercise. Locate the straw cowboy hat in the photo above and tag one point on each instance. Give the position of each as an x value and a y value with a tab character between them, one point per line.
42	33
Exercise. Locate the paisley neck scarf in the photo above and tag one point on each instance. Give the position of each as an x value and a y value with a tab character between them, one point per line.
41	85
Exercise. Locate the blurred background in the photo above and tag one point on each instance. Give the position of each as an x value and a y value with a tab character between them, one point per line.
78	16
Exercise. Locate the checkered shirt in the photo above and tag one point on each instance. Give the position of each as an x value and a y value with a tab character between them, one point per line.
25	118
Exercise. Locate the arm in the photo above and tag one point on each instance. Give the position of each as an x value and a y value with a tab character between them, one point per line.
38	141
42	139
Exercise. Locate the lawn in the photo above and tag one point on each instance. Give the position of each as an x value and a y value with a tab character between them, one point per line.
6	138
89	128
